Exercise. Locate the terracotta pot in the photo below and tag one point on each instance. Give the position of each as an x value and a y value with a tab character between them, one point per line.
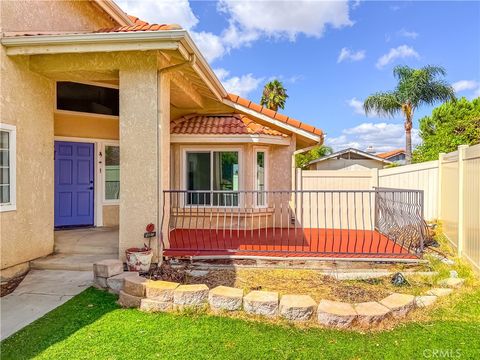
139	259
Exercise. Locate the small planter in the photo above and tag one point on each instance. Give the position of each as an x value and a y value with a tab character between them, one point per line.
139	259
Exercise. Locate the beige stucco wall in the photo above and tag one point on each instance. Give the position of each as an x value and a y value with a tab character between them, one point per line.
26	101
52	15
85	126
347	164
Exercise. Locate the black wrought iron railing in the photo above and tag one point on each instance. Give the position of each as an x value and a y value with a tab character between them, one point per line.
352	223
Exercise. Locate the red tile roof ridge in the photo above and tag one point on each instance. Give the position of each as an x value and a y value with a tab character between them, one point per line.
273	114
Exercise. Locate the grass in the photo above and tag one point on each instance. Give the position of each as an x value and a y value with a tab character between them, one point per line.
92	326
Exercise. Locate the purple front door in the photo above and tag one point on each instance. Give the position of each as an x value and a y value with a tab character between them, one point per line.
74	182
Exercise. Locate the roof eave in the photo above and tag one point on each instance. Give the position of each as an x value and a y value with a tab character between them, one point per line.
308	135
128	41
356	151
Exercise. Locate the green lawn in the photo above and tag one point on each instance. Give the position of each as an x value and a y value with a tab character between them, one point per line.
92	326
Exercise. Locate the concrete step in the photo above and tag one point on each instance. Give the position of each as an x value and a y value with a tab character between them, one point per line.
87	241
75	262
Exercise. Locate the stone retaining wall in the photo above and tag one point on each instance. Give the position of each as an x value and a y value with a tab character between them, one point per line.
152	296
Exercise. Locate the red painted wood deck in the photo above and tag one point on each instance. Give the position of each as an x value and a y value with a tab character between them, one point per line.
285	243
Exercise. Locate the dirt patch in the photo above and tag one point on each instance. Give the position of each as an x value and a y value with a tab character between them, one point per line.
308	282
9	286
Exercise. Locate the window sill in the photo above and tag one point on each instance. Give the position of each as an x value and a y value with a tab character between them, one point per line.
7	208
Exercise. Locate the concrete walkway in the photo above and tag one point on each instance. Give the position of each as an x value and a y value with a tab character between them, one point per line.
40	292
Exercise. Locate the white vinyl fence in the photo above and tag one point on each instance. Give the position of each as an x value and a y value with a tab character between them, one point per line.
451	187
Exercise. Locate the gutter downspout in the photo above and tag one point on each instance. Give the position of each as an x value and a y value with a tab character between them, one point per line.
160	198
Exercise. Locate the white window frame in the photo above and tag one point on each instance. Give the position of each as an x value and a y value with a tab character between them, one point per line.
211	150
104	171
12	156
256	150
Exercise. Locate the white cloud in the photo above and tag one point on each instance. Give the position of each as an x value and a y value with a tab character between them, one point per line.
347	54
210	45
284	19
356	105
381	136
463	85
161	12
400	52
239	85
408	34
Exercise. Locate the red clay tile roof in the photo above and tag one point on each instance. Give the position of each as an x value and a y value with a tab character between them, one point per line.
140	25
386	155
274	115
226	124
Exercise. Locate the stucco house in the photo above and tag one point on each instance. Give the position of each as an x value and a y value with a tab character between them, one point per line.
349	159
102	112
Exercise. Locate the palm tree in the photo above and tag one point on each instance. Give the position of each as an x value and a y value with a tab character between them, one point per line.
416	87
274	95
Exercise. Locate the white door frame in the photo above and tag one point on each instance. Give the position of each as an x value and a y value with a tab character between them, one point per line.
99	147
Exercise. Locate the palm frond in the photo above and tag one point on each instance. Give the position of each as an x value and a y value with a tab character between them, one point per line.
382	103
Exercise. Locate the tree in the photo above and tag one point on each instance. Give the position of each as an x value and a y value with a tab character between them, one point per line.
416	87
302	160
451	124
274	95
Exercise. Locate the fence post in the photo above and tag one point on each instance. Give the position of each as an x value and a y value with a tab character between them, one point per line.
441	158
461	195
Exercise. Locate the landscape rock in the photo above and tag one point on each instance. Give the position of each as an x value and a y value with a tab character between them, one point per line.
370	313
155	305
400	304
335	313
261	303
425	300
107	268
451	282
297	307
440	292
161	290
134	285
100	282
225	298
115	283
128	301
190	295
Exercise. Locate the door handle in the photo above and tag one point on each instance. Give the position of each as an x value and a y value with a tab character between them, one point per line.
90	188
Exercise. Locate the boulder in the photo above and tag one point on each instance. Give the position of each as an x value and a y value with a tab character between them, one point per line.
128	301
155	305
297	307
425	300
451	282
261	303
161	290
107	268
400	304
440	292
225	298
115	283
135	285
370	313
335	313
190	295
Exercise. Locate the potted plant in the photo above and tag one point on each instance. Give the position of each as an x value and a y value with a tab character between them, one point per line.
139	259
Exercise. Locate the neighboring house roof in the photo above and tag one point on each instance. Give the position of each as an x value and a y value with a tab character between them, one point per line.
222	124
389	154
273	114
351	150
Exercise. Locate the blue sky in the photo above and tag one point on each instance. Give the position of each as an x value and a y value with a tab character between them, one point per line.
330	55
